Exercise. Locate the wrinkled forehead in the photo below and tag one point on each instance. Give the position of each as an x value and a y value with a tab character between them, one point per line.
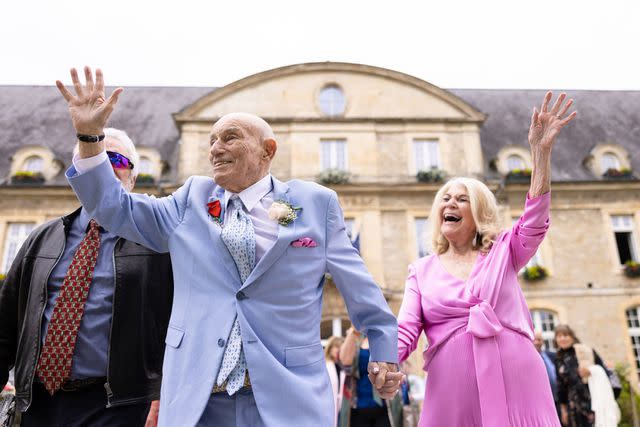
457	189
232	124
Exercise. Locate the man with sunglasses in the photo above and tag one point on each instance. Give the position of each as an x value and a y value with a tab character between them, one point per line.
83	316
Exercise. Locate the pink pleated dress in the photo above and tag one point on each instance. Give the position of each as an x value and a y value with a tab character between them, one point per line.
482	368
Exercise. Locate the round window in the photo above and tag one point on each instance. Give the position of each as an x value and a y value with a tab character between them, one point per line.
332	101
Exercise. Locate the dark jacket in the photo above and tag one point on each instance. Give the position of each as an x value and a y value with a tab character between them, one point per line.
141	308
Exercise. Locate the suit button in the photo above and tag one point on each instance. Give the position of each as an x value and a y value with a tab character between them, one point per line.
220	342
240	296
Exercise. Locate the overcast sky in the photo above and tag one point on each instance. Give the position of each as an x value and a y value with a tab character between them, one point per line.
558	44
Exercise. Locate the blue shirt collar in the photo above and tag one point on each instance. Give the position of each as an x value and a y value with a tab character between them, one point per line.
83	221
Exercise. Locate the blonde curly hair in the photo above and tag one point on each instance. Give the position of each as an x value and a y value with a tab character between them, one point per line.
484	209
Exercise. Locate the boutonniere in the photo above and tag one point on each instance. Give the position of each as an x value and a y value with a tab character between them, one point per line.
283	212
215	209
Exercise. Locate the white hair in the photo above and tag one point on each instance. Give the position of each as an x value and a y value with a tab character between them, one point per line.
122	136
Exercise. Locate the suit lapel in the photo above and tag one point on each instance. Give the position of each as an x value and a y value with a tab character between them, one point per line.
215	230
285	236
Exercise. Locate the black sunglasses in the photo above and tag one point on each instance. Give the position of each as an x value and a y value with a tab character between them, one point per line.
119	161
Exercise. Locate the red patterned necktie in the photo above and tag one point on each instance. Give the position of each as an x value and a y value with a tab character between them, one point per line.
54	366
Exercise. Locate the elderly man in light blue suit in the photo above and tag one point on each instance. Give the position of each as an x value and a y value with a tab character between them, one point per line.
249	255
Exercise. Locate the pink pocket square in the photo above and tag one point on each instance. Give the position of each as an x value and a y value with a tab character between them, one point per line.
305	242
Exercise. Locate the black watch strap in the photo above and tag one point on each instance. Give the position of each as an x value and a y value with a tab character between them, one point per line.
90	138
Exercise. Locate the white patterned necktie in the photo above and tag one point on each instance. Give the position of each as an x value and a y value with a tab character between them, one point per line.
240	239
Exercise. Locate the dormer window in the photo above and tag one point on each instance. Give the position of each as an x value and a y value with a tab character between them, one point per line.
33	164
515	162
145	166
331	100
609	161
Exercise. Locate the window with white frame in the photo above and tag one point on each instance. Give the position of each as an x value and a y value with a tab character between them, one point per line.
331	100
333	154
609	161
623	229
545	321
425	154
515	162
145	165
633	327
17	233
422	236
33	164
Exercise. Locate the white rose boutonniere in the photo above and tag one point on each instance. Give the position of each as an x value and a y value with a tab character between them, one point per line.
283	212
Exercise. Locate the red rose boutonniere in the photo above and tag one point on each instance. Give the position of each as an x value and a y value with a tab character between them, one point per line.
215	210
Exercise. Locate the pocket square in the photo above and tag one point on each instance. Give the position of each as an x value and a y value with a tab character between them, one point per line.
305	242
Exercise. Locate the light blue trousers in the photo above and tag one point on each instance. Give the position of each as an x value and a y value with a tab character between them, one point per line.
239	410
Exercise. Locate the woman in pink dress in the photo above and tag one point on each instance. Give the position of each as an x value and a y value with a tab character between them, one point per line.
483	369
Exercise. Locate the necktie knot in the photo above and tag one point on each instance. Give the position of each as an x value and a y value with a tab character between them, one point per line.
236	202
93	225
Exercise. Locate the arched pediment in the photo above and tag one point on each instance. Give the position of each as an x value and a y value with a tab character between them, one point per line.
291	94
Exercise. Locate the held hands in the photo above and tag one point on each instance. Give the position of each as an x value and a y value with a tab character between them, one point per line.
386	378
88	107
546	124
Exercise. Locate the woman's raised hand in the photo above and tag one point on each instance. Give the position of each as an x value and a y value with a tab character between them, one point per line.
546	124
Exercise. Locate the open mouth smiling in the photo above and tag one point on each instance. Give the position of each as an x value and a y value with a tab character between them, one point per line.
449	218
221	162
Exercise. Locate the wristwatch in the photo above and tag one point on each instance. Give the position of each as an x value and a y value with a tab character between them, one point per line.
90	138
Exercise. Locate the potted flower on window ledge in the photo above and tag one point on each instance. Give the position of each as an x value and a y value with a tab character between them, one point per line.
623	173
2	277
433	175
334	176
534	273
519	175
632	269
26	177
145	179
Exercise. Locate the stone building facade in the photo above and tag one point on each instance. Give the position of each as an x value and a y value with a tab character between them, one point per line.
381	127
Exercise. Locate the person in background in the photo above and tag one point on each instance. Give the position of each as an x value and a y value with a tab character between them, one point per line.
83	317
583	400
549	359
336	374
362	406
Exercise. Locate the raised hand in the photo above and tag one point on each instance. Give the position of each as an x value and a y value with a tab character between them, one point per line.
386	378
546	124
88	107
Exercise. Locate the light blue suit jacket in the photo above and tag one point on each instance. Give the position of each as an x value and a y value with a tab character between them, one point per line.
279	306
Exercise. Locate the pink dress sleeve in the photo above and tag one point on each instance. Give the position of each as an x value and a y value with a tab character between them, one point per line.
529	231
410	317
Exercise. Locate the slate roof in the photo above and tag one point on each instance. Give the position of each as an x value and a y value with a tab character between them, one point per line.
603	116
37	115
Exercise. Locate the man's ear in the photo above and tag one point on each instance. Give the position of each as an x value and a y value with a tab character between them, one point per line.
270	148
